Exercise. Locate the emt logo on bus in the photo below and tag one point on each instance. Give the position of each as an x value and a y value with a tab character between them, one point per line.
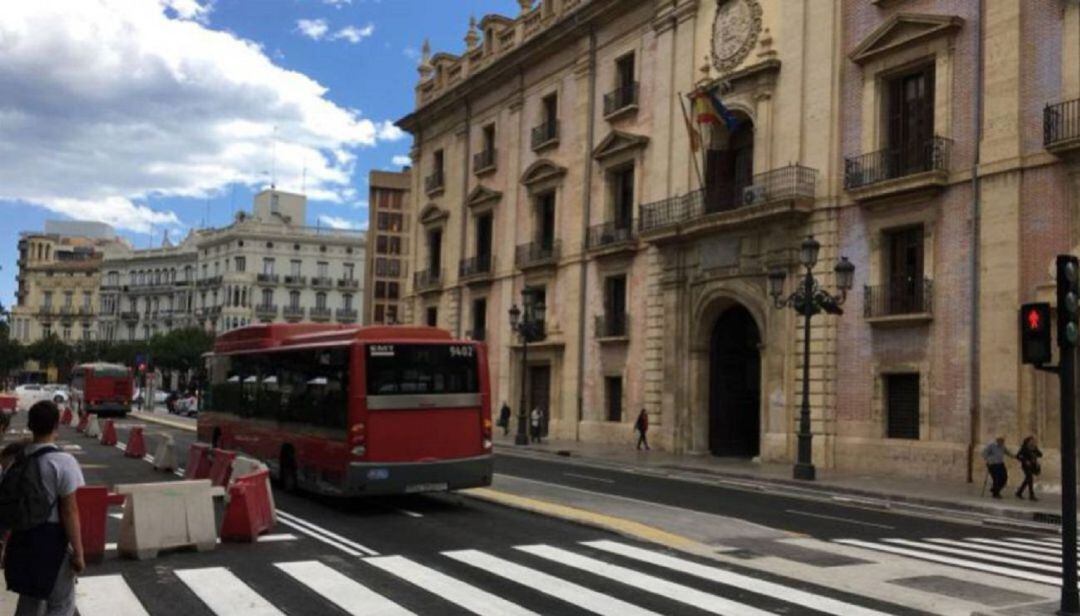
381	350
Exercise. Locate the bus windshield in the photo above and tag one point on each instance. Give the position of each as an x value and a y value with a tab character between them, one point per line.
406	369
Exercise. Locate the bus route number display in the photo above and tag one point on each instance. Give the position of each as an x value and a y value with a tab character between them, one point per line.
381	350
463	350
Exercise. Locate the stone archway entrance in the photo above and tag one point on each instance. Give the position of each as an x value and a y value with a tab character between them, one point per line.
735	385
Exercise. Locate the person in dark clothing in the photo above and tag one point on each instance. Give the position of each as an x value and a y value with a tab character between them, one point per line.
1028	456
994	456
641	426
536	419
504	418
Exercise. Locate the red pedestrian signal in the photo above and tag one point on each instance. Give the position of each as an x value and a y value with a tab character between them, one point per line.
1035	334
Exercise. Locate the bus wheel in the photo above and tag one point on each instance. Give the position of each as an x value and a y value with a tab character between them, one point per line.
288	471
215	441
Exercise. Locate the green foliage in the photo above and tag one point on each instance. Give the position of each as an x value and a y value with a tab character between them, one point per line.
181	349
52	351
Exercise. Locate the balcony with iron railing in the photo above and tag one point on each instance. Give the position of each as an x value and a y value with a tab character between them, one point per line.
427	280
622	99
322	282
484	161
295	281
320	314
545	135
612	236
129	315
267	278
351	284
1061	126
916	166
899	301
787	192
434	182
345	315
211	281
613	326
263	311
293	313
543	253
480	267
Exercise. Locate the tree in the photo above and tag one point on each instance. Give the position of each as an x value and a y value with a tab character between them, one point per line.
181	349
52	351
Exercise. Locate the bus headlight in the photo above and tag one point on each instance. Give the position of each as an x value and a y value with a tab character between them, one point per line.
359	450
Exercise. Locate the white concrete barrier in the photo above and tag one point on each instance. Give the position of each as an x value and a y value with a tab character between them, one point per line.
172	514
93	430
245	466
165	456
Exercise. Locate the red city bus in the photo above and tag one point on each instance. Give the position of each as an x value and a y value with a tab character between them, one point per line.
346	410
102	388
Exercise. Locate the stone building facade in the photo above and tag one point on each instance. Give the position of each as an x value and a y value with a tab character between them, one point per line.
930	142
387	262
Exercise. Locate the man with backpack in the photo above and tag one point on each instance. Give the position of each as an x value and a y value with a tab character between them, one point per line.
38	506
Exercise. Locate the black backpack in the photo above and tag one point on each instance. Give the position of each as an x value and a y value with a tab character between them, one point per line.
24	503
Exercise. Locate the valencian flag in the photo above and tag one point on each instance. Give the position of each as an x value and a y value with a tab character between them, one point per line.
710	110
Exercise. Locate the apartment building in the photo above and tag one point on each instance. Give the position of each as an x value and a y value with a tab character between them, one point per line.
387	258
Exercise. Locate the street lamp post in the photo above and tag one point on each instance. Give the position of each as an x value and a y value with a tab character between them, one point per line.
807	300
528	328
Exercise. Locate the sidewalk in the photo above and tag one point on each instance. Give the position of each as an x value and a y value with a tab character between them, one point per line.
959	496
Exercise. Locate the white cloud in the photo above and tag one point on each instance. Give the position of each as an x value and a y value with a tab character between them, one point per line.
314	29
354	34
388	131
114	102
337	3
402	160
336	222
412	53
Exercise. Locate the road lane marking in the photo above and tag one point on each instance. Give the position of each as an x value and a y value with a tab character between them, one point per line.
730	578
713	604
411	514
582	597
839	519
589	478
274	538
1022	544
328	536
998	547
224	593
107	595
343	592
455	591
956	562
972	554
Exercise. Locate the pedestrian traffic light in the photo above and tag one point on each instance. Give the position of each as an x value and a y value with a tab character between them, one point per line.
1035	334
1068	292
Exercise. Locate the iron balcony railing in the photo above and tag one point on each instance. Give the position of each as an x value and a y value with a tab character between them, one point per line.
348	283
538	253
322	282
427	279
295	281
546	133
484	160
610	234
212	281
261	310
612	325
434	181
620	98
268	278
480	265
293	312
1061	122
345	315
319	314
129	315
899	297
898	162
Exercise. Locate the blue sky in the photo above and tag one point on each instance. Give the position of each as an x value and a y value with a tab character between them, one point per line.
158	115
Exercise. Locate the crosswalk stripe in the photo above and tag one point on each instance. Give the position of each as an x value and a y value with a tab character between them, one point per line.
1052	541
595	602
107	595
224	593
713	604
1007	550
1016	547
343	592
465	595
1035	544
972	554
956	562
722	576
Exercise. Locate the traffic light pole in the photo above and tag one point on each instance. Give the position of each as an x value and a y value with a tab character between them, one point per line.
1070	600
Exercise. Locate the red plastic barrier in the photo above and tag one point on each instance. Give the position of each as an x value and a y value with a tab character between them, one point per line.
198	462
108	433
8	402
94	502
250	512
84	420
136	444
66	418
221	467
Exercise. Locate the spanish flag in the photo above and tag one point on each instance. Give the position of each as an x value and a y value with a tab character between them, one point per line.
710	110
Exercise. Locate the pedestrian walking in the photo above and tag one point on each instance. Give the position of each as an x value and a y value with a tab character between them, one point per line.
37	504
1029	455
504	418
641	426
535	420
994	456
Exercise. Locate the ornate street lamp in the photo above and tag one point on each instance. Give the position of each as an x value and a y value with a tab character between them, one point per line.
809	299
530	329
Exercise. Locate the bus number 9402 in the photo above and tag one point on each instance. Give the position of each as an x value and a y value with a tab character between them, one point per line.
461	351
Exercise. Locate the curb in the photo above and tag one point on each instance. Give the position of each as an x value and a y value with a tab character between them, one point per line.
1030	519
165	422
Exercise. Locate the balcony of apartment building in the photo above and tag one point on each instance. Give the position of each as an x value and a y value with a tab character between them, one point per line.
541	253
130	316
348	284
345	315
85	312
484	161
294	281
435	182
322	283
267	279
480	268
899	301
623	100
611	237
613	326
293	313
209	281
545	135
266	312
1061	127
320	314
913	166
427	280
784	193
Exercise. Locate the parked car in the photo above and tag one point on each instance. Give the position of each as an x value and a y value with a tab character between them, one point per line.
59	394
27	395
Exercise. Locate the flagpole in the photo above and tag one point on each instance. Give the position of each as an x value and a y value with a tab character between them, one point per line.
686	118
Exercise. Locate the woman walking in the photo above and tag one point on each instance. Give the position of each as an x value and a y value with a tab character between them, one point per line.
1028	456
